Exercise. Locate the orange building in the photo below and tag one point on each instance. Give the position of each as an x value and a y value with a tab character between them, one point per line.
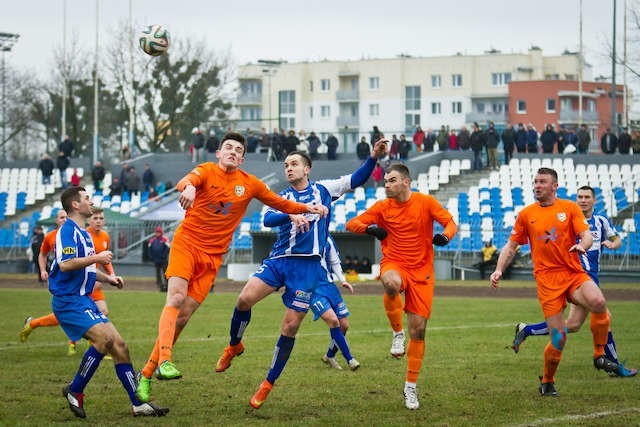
556	102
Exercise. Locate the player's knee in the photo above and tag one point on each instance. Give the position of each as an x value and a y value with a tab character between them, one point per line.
599	304
243	303
176	300
573	327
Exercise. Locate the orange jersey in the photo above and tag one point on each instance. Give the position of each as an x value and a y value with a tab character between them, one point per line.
101	242
410	228
551	231
49	242
221	202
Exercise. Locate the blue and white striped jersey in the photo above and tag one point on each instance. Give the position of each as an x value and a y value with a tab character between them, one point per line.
72	242
312	242
601	229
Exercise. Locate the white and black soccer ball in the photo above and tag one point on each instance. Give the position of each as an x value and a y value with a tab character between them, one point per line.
154	40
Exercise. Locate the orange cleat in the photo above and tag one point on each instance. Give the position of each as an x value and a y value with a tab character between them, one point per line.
230	352
261	395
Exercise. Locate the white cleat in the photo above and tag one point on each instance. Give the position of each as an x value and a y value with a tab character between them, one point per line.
411	398
397	345
333	363
148	409
354	364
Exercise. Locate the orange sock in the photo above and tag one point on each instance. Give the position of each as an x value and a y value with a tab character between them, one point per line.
415	354
552	358
600	323
152	363
393	307
166	332
48	320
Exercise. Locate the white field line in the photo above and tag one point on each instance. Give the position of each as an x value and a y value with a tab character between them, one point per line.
17	345
593	415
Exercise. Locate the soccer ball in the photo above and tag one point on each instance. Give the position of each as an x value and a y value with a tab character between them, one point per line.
154	40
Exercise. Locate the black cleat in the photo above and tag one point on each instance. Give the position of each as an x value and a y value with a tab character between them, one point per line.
605	364
75	401
547	389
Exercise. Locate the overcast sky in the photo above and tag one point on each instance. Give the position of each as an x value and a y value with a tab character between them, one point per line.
298	30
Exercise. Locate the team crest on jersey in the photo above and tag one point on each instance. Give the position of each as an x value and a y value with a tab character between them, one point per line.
562	217
239	190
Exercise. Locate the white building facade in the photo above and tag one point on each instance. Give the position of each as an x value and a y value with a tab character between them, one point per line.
347	98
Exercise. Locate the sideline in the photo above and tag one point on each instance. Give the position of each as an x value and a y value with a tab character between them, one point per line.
590	416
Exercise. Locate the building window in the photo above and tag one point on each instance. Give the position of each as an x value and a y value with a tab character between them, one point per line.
456	80
436	108
500	79
551	105
436	80
498	107
251	88
311	112
411	120
251	113
591	105
374	83
522	106
456	107
287	102
480	107
325	85
374	110
325	111
412	98
310	85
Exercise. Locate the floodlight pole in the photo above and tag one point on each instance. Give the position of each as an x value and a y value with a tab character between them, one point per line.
7	40
95	151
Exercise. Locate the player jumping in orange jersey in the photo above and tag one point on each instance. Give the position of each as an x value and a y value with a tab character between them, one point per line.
551	226
223	193
404	225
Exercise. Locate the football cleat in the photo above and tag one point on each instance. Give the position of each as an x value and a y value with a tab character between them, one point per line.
397	345
411	398
71	350
602	363
331	362
143	390
519	338
229	353
623	371
75	401
26	329
148	409
167	371
547	389
354	364
261	395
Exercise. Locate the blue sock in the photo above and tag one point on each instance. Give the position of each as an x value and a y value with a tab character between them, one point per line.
239	322
128	379
341	342
280	357
333	349
90	362
610	349
536	329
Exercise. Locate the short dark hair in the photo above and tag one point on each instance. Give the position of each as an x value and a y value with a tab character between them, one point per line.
588	188
305	157
235	136
400	168
548	171
71	194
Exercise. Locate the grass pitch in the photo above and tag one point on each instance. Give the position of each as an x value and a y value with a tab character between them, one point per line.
469	376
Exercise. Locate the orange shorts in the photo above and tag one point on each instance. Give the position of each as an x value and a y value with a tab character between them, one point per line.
417	285
97	294
195	266
555	289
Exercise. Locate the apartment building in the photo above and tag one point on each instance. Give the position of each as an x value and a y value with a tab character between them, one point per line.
347	98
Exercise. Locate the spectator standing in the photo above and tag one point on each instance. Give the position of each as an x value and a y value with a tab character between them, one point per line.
132	181
116	187
418	138
442	139
429	141
464	138
148	177
635	141
570	141
477	143
489	255
291	142
548	139
521	139
508	142
66	146
158	250
404	146
123	176
46	166
212	143
332	147
377	174
584	139
197	142
303	143
609	142
624	141
97	175
532	139
314	144
36	242
453	140
376	135
393	148
125	154
363	151
492	140
264	142
62	163
252	142
75	178
561	138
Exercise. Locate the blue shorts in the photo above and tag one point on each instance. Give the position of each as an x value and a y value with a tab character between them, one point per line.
299	276
76	315
327	296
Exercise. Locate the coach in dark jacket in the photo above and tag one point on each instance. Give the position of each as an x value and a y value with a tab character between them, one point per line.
46	166
477	143
624	142
508	141
548	139
62	163
609	142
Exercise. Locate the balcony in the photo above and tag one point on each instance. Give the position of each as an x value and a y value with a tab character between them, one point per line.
243	124
348	121
571	116
348	95
488	116
249	99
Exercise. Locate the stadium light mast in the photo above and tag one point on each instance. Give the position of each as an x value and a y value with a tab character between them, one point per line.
131	76
580	67
95	151
614	92
269	70
63	118
7	40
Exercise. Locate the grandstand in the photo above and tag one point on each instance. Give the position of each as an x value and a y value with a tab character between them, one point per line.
484	204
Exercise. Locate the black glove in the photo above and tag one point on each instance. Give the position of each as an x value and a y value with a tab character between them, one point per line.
377	232
440	240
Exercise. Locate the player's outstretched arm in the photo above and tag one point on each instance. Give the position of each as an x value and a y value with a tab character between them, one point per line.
506	256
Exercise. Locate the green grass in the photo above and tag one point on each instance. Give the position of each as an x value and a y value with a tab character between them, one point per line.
469	376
